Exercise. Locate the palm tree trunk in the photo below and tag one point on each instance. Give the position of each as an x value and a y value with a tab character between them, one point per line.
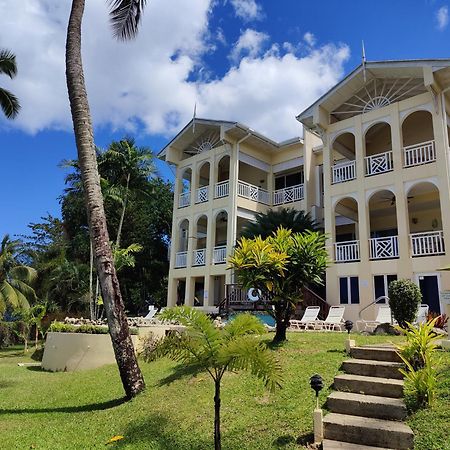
217	441
130	373
92	300
122	216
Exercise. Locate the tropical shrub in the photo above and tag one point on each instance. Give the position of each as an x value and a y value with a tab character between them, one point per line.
441	321
404	300
148	347
59	327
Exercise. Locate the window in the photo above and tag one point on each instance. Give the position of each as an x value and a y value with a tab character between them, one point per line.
381	285
349	290
288	180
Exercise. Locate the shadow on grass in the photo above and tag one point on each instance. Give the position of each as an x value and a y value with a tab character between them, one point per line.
157	429
336	350
179	372
67	409
283	441
11	353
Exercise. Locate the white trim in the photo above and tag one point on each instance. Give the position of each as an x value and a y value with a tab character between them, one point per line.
371	123
335	134
290	164
407	112
371	192
335	200
252	161
428	274
408	185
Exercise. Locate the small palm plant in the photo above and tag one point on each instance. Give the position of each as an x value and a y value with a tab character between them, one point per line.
234	347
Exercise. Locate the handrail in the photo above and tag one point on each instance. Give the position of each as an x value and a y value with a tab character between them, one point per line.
381	297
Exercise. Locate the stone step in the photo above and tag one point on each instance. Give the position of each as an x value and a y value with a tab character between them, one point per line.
366	405
371	368
367	431
375	353
359	384
327	444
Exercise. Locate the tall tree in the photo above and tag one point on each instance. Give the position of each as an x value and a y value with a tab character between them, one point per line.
125	16
8	101
16	280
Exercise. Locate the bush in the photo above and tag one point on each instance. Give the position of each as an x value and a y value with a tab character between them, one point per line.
149	346
7	336
59	327
404	300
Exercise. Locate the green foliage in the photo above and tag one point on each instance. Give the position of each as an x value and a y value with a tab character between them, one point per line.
60	327
6	334
149	347
9	103
404	300
266	224
418	356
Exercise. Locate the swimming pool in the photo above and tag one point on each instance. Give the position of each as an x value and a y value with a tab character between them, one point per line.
267	319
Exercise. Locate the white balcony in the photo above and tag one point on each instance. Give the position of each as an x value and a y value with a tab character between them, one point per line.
346	251
343	172
252	192
222	189
184	199
380	163
220	254
202	194
427	244
384	247
199	257
288	195
418	154
180	260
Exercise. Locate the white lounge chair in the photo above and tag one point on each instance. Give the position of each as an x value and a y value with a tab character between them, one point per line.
422	314
334	320
307	321
383	316
151	312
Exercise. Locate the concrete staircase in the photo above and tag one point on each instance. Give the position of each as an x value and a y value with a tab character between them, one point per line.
367	407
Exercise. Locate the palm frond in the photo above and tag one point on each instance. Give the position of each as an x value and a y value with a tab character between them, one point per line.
9	104
9	295
8	64
24	273
125	17
242	325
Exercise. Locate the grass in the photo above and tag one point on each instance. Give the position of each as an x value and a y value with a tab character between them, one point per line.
84	410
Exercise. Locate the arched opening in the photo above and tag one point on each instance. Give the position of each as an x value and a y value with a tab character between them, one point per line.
220	239
343	153
183	239
425	220
418	139
202	194
378	148
199	256
383	225
185	188
222	187
346	230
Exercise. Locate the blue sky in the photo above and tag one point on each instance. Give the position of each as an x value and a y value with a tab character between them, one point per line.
258	62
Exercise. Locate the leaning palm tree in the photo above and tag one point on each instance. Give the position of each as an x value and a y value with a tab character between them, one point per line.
125	17
9	103
203	347
16	280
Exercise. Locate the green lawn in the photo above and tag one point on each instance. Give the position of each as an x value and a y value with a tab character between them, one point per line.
84	410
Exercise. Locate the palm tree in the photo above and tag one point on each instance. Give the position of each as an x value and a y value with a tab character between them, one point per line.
266	224
8	101
125	17
16	280
206	348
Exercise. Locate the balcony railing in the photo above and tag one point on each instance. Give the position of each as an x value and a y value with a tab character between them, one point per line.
202	194
184	200
181	260
199	258
222	189
384	247
345	171
427	244
220	254
254	193
380	163
418	154
288	195
346	251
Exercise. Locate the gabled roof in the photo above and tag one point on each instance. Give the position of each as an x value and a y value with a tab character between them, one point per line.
197	126
404	76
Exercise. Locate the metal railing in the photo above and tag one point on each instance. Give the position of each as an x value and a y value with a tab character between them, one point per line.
427	244
199	257
202	194
384	247
184	199
222	189
288	195
345	171
346	251
379	163
180	260
253	192
418	154
220	254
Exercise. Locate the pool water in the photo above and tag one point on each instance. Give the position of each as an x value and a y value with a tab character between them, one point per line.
267	319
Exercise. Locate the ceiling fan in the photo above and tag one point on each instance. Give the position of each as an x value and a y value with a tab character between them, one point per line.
392	199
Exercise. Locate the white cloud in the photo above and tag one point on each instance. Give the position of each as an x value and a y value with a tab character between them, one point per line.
247	10
309	38
442	17
250	44
150	80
